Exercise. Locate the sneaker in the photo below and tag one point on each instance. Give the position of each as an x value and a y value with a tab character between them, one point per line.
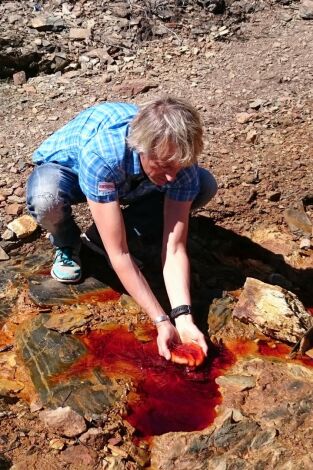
66	265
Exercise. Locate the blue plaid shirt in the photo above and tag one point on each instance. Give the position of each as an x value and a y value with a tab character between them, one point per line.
94	146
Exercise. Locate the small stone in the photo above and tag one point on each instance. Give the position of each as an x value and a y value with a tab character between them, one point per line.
129	304
24	226
19	192
35	405
252	196
79	456
298	221
251	136
14	209
93	438
305	244
239	382
118	451
19	78
8	235
47	23
64	421
57	444
3	255
133	88
306	10
243	118
274	196
100	53
80	34
256	104
4	151
264	438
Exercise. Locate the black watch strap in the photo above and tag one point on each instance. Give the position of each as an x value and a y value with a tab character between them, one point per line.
181	310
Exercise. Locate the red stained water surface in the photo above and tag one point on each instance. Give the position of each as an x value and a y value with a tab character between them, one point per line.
168	397
269	349
101	295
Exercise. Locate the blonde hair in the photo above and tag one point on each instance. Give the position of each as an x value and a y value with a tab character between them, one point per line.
167	123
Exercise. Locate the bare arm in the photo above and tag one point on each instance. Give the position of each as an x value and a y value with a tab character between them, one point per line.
176	270
110	224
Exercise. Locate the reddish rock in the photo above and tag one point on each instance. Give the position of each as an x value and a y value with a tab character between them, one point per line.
79	457
14	209
19	78
135	87
64	421
93	438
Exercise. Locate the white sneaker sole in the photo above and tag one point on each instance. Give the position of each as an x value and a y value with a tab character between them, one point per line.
65	281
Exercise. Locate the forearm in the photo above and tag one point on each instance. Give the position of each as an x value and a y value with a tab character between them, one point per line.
176	273
136	284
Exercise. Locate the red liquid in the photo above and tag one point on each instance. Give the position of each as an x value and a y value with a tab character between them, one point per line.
168	397
101	295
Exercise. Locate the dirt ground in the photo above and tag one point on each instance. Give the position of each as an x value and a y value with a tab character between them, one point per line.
254	93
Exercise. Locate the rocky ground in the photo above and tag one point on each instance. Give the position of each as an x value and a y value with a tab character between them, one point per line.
247	67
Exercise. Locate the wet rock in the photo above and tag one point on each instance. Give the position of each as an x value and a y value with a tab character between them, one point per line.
47	354
24	226
44	290
63	421
70	320
278	313
127	302
219	314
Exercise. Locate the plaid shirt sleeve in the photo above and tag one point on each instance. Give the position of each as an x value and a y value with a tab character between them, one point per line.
97	176
186	185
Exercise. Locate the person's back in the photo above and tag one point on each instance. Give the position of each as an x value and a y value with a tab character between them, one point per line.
89	127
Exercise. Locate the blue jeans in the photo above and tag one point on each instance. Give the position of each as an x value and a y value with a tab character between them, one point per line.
52	189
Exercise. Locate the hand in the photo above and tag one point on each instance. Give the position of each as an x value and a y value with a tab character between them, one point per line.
190	333
167	336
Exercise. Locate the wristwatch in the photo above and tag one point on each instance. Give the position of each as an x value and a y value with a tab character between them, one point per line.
181	310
